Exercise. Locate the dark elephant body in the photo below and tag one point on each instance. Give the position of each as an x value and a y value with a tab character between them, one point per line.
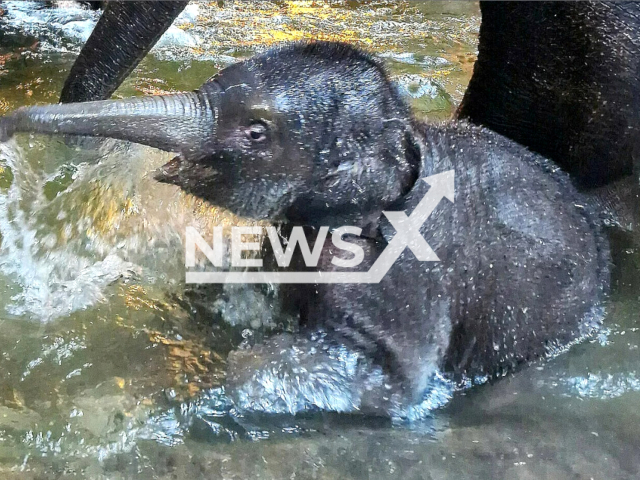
522	268
562	79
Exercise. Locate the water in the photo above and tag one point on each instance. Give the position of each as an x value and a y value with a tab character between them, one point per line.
111	368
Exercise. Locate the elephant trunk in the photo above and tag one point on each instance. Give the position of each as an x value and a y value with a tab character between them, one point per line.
177	123
124	34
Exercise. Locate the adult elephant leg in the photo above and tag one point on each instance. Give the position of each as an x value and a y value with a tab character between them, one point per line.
562	78
124	34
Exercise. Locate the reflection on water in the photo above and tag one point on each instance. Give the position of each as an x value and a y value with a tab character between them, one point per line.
110	368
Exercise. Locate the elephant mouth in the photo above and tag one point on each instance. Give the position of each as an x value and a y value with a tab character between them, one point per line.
169	172
190	175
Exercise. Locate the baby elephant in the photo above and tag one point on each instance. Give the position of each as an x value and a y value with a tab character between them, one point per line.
314	134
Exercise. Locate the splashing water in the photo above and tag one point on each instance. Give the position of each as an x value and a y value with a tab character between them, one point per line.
70	232
54	282
290	375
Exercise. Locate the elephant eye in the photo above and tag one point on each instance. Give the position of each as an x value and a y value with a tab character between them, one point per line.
257	132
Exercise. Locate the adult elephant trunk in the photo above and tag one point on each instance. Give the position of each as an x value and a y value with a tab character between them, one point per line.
124	34
178	123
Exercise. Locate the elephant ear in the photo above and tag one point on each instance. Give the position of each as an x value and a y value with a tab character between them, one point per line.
125	33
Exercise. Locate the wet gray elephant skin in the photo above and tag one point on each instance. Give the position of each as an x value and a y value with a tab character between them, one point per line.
122	37
562	79
315	134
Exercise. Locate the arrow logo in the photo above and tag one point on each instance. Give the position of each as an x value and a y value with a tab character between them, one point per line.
407	235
